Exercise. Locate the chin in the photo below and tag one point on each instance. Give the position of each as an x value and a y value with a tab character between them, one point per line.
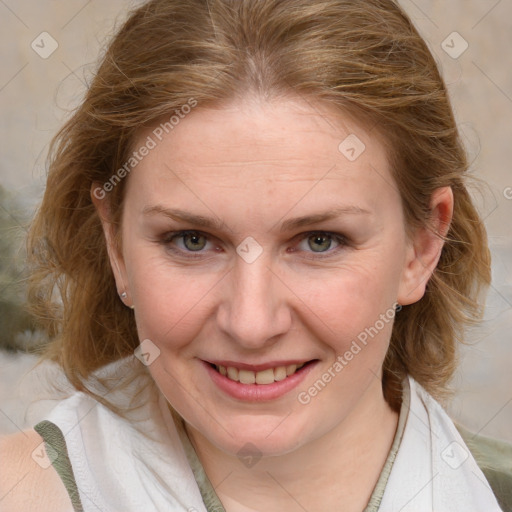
266	436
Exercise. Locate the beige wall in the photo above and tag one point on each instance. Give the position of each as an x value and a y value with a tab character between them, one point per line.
37	93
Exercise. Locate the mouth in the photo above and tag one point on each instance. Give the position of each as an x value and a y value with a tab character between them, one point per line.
258	383
263	377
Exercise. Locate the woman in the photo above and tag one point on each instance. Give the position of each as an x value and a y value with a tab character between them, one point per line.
266	254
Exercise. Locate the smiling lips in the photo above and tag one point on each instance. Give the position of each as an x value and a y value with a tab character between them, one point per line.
258	382
267	376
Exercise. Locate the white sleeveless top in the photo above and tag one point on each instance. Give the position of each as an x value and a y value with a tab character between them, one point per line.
140	464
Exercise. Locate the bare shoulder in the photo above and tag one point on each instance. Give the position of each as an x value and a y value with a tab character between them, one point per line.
28	481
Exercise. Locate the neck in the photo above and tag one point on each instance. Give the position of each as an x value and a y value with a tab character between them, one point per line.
342	466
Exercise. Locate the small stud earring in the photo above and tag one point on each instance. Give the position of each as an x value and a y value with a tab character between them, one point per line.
123	295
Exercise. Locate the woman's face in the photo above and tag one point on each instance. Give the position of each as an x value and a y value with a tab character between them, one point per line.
258	237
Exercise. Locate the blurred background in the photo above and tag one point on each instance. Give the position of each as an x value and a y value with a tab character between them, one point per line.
49	49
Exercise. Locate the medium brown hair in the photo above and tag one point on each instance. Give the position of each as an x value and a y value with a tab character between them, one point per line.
361	58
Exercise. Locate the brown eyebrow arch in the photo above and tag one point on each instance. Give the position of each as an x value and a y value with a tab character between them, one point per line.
316	218
181	215
288	225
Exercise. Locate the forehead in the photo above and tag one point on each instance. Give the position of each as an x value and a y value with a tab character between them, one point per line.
279	149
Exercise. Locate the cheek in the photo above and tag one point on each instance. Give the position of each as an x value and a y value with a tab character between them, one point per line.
171	314
354	317
353	297
171	302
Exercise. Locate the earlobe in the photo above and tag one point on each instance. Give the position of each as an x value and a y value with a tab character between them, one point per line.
425	248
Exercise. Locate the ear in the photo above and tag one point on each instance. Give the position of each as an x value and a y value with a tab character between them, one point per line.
102	204
425	248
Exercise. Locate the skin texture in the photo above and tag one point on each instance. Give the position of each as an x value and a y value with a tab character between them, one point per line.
252	166
26	485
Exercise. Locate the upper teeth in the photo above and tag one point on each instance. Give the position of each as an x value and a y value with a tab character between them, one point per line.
267	376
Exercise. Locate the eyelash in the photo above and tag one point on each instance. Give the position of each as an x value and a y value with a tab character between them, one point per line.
170	237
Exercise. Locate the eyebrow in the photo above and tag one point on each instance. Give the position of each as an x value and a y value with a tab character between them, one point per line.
288	225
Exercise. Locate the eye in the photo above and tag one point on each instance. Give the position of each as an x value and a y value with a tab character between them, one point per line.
184	242
193	241
321	242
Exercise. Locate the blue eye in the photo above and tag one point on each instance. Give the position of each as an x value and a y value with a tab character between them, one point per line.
192	244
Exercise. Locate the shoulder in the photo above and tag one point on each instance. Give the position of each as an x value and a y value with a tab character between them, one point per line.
494	457
28	481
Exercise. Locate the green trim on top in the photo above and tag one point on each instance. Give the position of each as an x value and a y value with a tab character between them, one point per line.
380	487
210	499
494	457
56	444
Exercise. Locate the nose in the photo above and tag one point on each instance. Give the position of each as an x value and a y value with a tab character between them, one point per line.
254	309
